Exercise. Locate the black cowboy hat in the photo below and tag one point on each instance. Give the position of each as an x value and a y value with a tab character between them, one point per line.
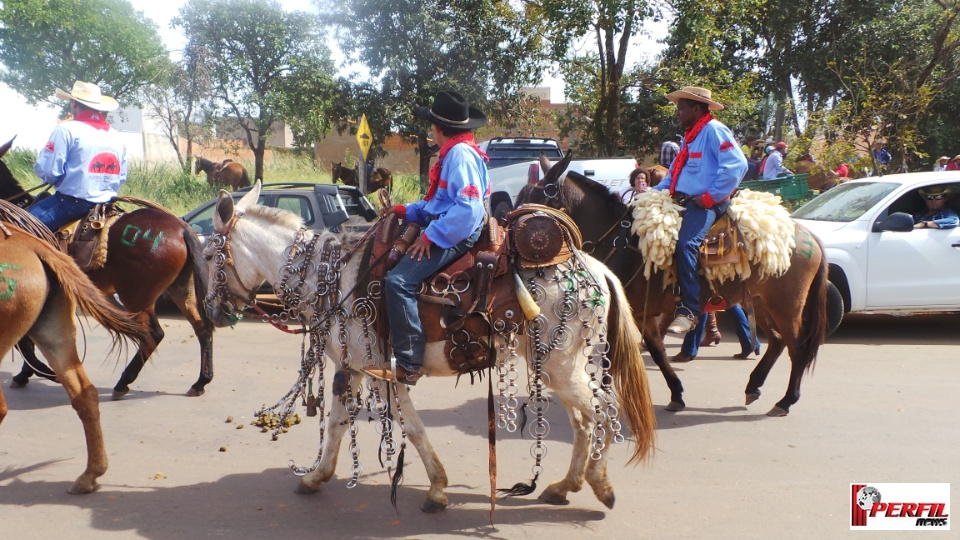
451	110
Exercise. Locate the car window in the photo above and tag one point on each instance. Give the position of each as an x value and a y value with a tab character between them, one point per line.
845	202
911	202
298	205
203	221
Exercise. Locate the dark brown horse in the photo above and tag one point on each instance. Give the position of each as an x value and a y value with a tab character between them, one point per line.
790	309
380	178
150	251
227	173
40	292
345	175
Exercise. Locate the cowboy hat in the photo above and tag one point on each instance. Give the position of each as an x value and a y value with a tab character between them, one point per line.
943	158
88	94
947	191
695	93
451	110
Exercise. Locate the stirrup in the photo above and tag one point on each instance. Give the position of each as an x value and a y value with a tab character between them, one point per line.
682	324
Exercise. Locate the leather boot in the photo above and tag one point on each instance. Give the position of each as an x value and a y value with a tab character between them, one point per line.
711	334
681	357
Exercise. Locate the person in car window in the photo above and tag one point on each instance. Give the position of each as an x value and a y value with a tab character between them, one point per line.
938	214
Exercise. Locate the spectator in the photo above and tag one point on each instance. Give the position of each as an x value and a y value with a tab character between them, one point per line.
938	215
773	166
941	164
668	151
637	184
954	164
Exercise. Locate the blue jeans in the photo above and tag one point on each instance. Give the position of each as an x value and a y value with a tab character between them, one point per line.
691	342
694	224
402	283
58	210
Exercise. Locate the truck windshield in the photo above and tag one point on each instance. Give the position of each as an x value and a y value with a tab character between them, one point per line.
846	202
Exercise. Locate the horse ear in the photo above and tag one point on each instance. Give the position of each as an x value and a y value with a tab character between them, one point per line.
545	163
553	175
224	210
251	197
6	148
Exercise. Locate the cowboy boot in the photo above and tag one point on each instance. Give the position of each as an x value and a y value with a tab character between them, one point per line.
711	334
681	357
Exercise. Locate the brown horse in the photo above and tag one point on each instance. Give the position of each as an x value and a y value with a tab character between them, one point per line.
40	290
345	175
380	178
150	251
790	309
225	173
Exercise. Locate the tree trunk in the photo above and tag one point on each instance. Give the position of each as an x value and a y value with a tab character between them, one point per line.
258	159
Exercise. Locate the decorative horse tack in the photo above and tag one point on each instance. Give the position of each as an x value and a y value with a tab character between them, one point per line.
327	289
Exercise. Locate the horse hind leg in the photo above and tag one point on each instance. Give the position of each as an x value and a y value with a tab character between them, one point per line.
147	318
759	374
337	425
30	359
184	297
55	335
436	496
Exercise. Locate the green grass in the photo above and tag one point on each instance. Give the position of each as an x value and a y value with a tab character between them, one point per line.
181	192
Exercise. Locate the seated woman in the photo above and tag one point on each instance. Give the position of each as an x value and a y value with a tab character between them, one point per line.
938	215
637	185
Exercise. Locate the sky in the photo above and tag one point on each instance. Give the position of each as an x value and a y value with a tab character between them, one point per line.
32	125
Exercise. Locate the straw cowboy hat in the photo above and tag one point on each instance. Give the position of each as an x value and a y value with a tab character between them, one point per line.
947	191
695	93
943	158
451	110
88	94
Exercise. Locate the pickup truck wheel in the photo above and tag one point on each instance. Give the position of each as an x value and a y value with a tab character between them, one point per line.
502	209
834	308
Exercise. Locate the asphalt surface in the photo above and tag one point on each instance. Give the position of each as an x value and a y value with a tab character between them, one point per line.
880	406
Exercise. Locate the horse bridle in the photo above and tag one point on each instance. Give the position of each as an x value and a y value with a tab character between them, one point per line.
222	257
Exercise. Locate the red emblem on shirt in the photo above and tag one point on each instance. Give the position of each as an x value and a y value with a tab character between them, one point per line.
104	163
49	146
726	145
471	192
696	155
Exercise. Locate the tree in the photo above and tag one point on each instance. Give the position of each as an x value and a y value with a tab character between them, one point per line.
416	48
49	44
262	62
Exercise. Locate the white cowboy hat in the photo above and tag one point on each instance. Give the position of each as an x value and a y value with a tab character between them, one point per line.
89	95
695	93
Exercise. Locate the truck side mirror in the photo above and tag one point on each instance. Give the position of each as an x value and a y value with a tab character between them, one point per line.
895	222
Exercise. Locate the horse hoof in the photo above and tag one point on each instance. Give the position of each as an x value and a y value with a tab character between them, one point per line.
193	392
554	498
608	500
14	383
752	396
676	406
118	394
79	488
431	507
304	489
777	412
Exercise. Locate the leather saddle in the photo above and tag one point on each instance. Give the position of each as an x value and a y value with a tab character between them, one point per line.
722	244
86	239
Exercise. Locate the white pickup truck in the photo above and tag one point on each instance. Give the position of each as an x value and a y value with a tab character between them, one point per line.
506	182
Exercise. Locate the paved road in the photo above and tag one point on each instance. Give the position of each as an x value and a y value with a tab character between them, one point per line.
880	407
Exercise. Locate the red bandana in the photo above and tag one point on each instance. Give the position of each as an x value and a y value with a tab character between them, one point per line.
451	142
681	159
94	119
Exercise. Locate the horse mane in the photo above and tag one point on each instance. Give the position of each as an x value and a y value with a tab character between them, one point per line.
277	216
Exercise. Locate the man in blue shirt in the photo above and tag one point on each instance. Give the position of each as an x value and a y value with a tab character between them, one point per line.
707	170
451	213
938	215
773	166
84	159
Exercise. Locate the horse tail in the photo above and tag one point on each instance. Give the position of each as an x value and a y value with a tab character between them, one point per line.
813	325
77	287
629	373
201	280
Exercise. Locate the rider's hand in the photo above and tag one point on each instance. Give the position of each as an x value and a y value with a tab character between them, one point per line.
419	248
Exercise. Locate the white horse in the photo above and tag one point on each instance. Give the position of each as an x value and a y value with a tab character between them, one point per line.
252	245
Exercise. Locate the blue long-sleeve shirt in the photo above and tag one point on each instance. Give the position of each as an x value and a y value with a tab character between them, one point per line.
945	218
714	167
456	209
83	161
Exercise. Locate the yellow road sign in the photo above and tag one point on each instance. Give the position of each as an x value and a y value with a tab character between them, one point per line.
364	137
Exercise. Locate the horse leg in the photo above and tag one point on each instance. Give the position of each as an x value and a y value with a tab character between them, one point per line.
556	493
759	374
337	424
416	433
654	342
30	359
186	300
782	408
148	318
55	334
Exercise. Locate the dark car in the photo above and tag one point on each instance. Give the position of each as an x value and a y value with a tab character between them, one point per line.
322	206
